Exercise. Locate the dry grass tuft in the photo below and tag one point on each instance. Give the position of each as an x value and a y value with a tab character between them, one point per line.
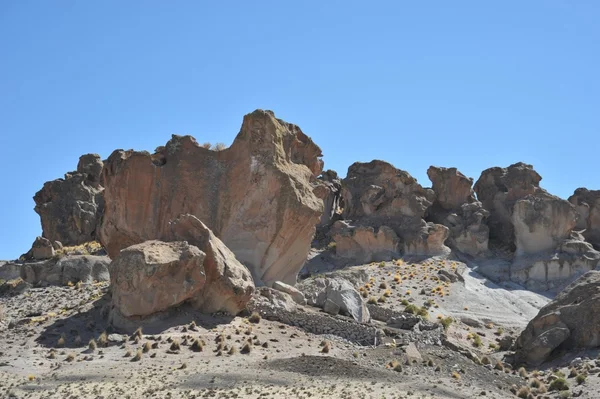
138	356
326	348
147	346
196	346
92	345
103	340
61	341
232	351
523	392
254	318
70	357
247	348
175	345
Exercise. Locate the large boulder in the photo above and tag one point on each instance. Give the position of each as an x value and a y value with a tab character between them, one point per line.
70	208
571	320
193	267
67	269
337	290
541	222
587	205
452	188
364	244
256	196
498	189
41	248
378	190
154	276
380	198
455	207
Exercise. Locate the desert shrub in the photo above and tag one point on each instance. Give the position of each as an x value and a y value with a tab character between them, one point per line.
254	318
92	344
559	384
523	392
372	301
175	346
146	348
580	379
219	147
326	348
196	346
138	356
70	357
522	372
232	350
486	360
446	321
247	348
412	309
476	341
207	145
103	340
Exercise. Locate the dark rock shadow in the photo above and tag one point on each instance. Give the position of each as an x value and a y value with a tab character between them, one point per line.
91	323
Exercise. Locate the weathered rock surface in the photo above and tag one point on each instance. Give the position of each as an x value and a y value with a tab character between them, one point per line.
194	267
296	295
587	205
455	207
571	320
340	291
68	269
452	188
331	192
70	208
541	222
498	189
377	195
42	248
364	244
229	284
547	271
154	276
256	196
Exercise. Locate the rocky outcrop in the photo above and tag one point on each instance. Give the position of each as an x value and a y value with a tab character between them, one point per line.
67	269
330	191
378	198
455	207
194	267
555	269
452	189
256	196
498	189
70	208
541	222
296	295
571	320
587	205
337	290
364	244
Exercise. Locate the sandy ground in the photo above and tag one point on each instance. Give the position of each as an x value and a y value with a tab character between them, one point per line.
45	332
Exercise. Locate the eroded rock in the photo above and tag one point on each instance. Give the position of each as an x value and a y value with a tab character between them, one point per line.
70	208
364	244
587	205
571	320
256	196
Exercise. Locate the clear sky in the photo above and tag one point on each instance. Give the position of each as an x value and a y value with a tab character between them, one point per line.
470	84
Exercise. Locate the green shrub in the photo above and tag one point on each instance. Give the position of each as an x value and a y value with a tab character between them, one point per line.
559	384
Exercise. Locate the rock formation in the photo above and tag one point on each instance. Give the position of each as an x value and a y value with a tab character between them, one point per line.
331	192
456	208
337	290
194	267
41	249
571	320
67	269
70	208
384	209
498	189
587	205
256	196
536	226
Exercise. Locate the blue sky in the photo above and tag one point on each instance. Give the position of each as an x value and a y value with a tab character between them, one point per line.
470	84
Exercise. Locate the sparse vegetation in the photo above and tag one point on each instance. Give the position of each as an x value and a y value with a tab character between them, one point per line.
523	392
219	147
477	341
522	372
446	321
92	345
70	357
254	318
138	356
580	379
147	346
559	384
196	346
175	346
61	341
247	348
103	340
372	301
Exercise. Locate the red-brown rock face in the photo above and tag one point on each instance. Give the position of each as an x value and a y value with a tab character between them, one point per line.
256	196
